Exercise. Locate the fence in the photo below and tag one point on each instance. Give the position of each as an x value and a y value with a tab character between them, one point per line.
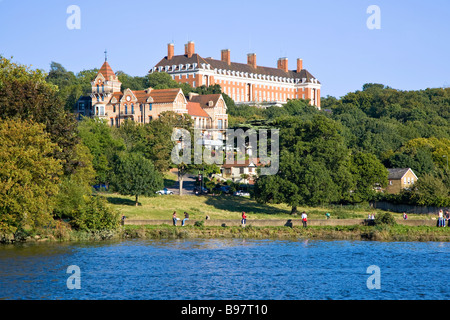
383	205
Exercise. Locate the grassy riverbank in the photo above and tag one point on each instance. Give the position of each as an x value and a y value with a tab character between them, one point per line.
230	207
355	232
375	233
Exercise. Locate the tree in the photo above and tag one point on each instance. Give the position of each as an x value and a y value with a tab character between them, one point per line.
29	175
98	137
367	172
313	164
161	80
25	94
136	176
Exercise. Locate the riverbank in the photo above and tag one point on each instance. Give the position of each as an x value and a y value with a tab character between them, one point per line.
165	231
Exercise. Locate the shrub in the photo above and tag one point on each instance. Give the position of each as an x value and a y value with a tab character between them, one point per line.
385	218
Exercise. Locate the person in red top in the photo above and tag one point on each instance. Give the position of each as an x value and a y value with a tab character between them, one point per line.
244	219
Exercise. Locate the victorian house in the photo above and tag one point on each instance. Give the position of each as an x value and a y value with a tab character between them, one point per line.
107	101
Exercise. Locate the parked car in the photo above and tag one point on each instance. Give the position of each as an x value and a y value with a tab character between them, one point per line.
200	189
164	191
242	193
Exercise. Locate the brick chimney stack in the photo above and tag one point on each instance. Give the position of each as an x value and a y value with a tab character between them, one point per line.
251	59
283	64
299	65
170	51
226	56
189	49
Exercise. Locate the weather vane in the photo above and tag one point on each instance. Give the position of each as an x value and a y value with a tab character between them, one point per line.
106	55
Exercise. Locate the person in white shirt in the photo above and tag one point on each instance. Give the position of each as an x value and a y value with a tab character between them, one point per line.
304	219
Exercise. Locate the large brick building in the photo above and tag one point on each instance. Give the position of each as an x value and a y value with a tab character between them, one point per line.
245	83
107	101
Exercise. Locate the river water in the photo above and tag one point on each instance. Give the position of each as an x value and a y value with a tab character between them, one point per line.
218	269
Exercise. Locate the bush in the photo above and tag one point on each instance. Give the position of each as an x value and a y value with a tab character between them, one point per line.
385	218
96	215
199	224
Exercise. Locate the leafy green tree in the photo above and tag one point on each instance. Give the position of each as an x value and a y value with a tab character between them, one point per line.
25	94
161	80
97	136
136	176
368	172
313	164
29	175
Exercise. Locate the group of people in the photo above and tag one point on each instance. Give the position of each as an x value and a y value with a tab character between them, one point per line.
243	218
442	216
175	219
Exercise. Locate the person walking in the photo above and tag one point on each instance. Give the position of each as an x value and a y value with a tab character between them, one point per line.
244	219
186	217
174	218
304	219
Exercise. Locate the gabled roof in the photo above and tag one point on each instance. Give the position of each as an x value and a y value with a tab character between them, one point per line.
106	70
247	163
398	173
194	109
234	66
204	99
164	95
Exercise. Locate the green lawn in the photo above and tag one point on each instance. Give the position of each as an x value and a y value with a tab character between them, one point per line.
222	207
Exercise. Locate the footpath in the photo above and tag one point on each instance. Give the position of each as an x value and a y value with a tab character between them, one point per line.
280	223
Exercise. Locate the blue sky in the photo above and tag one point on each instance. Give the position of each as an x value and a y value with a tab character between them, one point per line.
411	51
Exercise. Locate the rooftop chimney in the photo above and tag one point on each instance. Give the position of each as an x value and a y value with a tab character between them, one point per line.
226	56
251	59
189	49
170	51
283	64
299	65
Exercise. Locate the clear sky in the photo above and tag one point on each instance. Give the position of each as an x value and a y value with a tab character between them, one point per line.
411	51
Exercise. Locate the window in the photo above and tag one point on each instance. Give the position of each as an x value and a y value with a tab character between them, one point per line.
132	108
114	108
150	106
103	88
219	124
126	109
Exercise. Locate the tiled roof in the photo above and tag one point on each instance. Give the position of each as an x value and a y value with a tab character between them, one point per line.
397	173
234	66
236	164
194	109
204	99
106	70
164	95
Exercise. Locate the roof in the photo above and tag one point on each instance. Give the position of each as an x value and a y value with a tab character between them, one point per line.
194	109
235	164
106	70
234	66
204	99
164	95
398	173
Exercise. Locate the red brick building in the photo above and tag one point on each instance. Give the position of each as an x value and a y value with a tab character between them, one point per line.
245	83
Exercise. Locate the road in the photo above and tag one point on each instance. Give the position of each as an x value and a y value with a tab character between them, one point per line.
188	185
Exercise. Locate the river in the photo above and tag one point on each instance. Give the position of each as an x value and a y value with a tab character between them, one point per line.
218	269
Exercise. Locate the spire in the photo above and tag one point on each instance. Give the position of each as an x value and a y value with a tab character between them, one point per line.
106	55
